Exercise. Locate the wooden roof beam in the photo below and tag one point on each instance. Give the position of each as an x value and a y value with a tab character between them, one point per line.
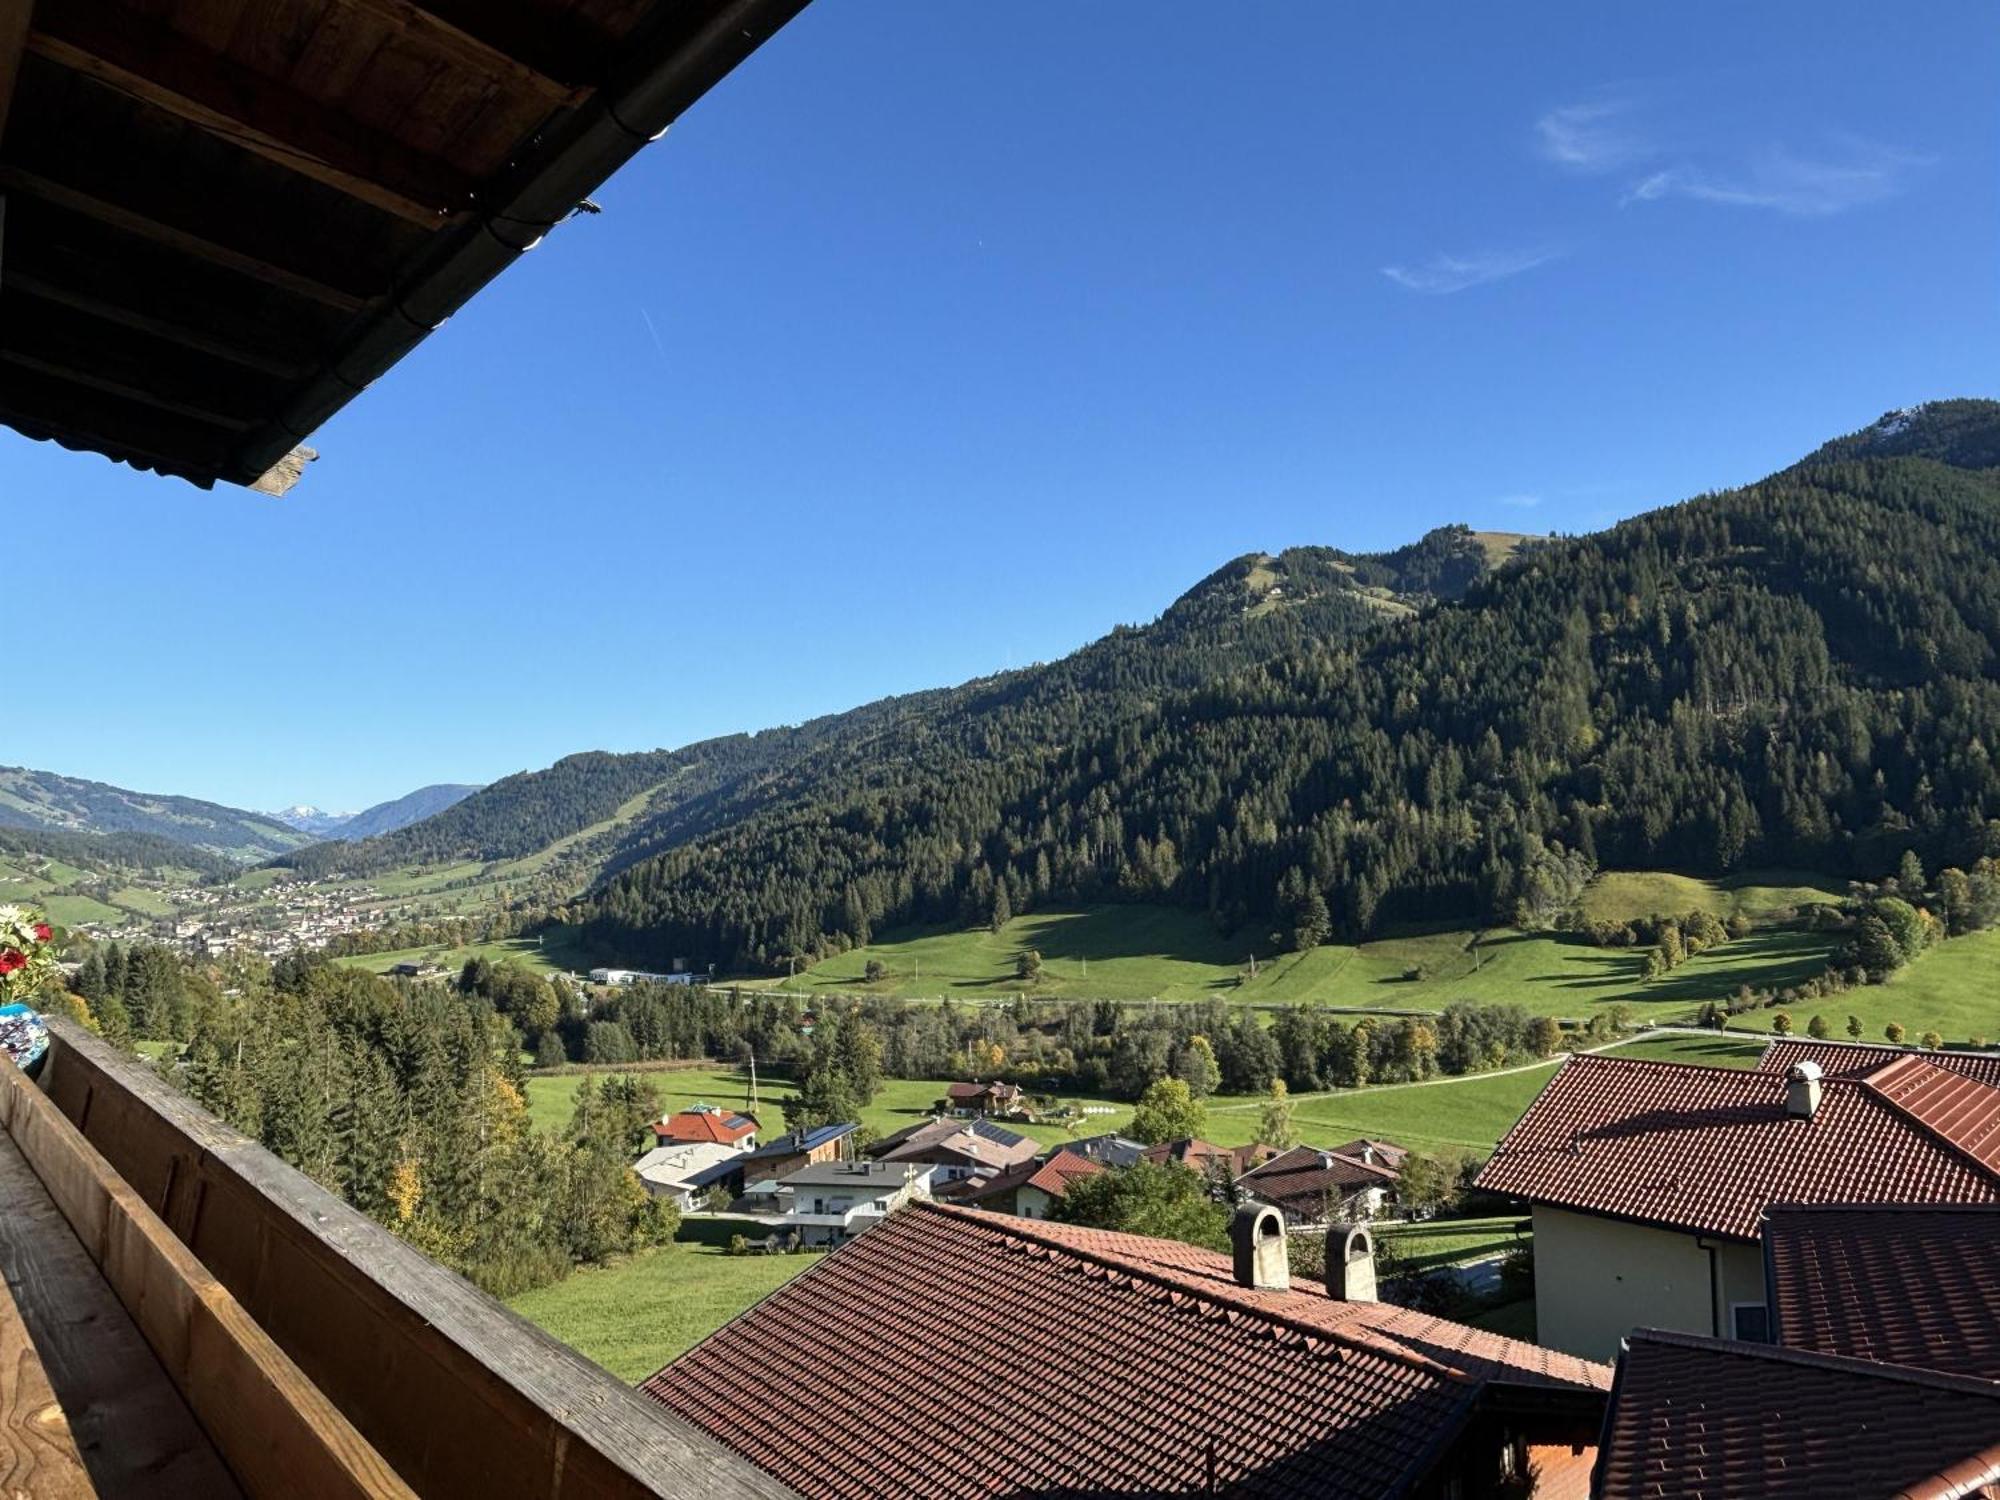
195	334
155	65
135	223
488	39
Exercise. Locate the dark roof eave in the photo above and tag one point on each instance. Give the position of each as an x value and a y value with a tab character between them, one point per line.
665	73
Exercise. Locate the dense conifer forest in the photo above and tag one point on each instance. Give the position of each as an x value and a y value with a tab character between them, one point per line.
1799	672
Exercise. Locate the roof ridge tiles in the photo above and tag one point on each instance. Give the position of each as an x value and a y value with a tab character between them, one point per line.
1812	1359
1249	1309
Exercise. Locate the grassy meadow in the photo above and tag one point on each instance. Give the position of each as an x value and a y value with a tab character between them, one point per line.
639	1314
550	957
1129	952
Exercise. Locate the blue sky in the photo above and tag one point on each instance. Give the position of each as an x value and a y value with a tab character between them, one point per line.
942	337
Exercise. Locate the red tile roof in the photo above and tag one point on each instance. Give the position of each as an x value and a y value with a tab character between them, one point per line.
1303	1179
1197	1155
704	1125
1901	1284
1852	1059
1956	1108
1707	1419
1052	1174
1107	1364
1706	1150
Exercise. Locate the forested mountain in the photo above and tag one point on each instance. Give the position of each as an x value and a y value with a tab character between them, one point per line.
1251	609
41	799
109	853
413	807
1800	672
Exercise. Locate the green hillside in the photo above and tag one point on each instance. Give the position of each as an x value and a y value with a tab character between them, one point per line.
1130	952
1793	674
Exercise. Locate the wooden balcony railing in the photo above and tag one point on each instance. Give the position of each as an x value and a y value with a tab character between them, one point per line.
319	1354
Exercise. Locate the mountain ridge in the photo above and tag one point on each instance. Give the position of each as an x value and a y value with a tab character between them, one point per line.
1250	607
47	800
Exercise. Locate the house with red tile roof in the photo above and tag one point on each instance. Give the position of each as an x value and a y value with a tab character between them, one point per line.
1896	1283
1695	1418
706	1125
995	1098
1649	1181
1852	1059
1314	1186
1206	1157
1133	1366
1034	1187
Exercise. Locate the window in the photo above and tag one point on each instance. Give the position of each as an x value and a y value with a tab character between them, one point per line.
1751	1322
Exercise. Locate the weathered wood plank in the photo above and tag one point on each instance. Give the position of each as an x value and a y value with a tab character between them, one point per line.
38	1456
134	1433
464	1397
482	38
278	1433
263	115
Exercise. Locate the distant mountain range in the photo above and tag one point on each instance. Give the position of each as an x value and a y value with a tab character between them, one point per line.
143	824
44	800
383	817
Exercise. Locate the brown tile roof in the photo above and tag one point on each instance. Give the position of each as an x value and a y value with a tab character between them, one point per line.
1302	1179
1852	1059
1706	1150
698	1126
1001	1356
1707	1419
979	1141
1197	1155
1901	1284
967	1092
1052	1174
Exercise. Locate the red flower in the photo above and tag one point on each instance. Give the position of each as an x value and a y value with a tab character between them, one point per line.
12	959
42	932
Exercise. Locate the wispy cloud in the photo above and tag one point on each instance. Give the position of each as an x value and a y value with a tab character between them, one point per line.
1861	173
1442	274
1592	136
1521	502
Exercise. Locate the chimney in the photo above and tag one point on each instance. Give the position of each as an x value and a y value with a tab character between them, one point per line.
1350	1263
1257	1241
1802	1090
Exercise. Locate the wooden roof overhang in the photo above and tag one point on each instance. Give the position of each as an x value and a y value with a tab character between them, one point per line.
220	220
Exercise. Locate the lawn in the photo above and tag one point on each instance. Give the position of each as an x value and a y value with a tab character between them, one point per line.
552	957
1953	989
1133	952
637	1315
1626	895
902	1101
1446	1242
70	911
